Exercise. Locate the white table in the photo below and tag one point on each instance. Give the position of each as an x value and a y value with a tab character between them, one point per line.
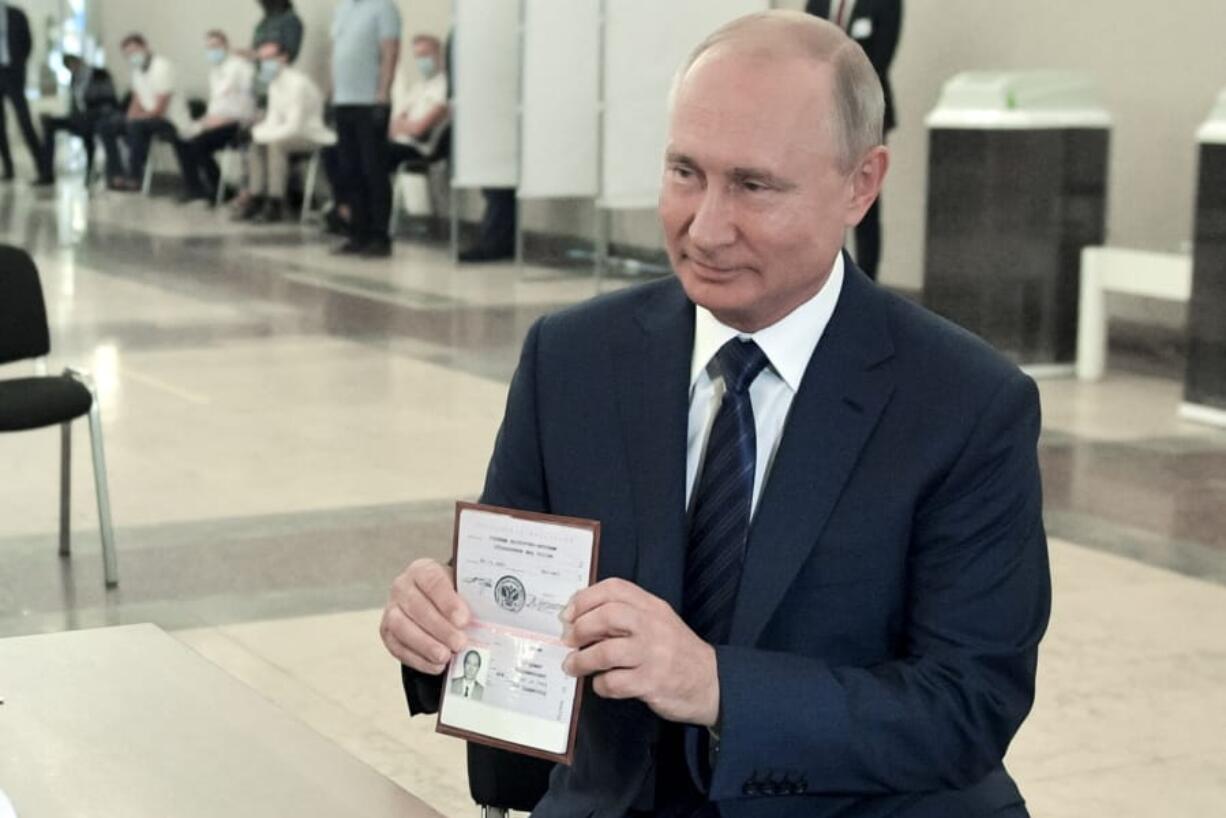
129	722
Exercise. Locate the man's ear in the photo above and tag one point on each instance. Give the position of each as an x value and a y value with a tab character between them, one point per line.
866	181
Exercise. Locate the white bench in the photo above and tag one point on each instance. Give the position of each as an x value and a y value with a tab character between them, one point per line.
1167	276
1133	272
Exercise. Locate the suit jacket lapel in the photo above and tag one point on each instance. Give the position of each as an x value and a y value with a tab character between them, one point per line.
653	370
846	386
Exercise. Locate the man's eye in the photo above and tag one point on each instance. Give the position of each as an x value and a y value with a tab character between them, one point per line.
755	187
682	172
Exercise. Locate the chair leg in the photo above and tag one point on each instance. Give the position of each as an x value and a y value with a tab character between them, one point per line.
227	156
308	188
65	489
494	812
146	185
393	221
455	225
109	560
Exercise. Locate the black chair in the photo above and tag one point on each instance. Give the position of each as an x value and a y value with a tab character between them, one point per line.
442	153
500	781
48	400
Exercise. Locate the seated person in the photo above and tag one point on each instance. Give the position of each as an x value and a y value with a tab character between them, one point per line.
418	130
157	109
294	123
231	105
91	99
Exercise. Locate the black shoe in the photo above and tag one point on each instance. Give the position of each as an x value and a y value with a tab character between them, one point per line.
377	249
248	212
43	181
334	224
192	196
273	212
481	254
350	248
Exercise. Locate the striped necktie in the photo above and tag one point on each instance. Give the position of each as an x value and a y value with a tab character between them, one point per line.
723	497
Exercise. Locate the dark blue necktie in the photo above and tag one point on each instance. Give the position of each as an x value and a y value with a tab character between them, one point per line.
723	496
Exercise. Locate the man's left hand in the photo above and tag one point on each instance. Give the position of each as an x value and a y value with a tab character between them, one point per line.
636	647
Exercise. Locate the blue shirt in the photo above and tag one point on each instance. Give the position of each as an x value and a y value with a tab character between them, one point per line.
358	29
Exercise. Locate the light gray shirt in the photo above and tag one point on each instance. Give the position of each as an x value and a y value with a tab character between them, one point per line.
359	27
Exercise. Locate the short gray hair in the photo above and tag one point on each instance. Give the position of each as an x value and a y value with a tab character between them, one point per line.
859	99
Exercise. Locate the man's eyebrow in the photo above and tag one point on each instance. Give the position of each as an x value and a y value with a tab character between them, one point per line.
676	158
760	175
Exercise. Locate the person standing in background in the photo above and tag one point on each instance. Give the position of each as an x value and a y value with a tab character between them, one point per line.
14	54
231	105
875	25
281	25
365	51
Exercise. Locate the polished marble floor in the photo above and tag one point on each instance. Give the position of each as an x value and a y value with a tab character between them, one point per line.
285	430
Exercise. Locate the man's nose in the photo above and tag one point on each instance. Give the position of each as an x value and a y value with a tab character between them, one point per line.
714	225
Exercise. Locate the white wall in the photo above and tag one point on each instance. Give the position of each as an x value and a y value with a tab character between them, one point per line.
1160	65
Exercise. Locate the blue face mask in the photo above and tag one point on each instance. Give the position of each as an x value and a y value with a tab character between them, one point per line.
137	59
427	66
269	69
215	56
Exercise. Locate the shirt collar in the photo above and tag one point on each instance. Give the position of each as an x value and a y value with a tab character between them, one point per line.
788	343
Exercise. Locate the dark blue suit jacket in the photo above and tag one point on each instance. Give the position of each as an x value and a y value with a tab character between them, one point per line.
896	584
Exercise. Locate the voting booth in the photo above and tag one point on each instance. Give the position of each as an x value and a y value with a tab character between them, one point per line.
1017	181
1205	383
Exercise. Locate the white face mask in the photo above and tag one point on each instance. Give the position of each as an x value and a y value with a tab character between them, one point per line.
269	69
427	66
215	56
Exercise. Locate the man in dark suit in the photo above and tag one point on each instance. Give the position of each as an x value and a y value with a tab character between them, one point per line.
92	98
14	54
823	571
875	25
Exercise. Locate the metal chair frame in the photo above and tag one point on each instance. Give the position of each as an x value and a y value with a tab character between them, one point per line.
33	343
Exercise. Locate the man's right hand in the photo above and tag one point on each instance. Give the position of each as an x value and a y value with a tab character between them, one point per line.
422	623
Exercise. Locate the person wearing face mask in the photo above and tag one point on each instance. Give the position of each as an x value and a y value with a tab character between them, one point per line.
231	105
157	110
294	123
419	130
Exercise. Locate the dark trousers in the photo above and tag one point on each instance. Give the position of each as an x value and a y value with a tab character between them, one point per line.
362	147
497	232
868	240
80	125
138	134
334	167
13	88
201	173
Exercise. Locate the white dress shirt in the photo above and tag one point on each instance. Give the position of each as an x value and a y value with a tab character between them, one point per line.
230	89
295	111
159	79
418	100
789	344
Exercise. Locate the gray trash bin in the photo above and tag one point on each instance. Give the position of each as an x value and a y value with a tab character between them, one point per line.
1205	383
1017	182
